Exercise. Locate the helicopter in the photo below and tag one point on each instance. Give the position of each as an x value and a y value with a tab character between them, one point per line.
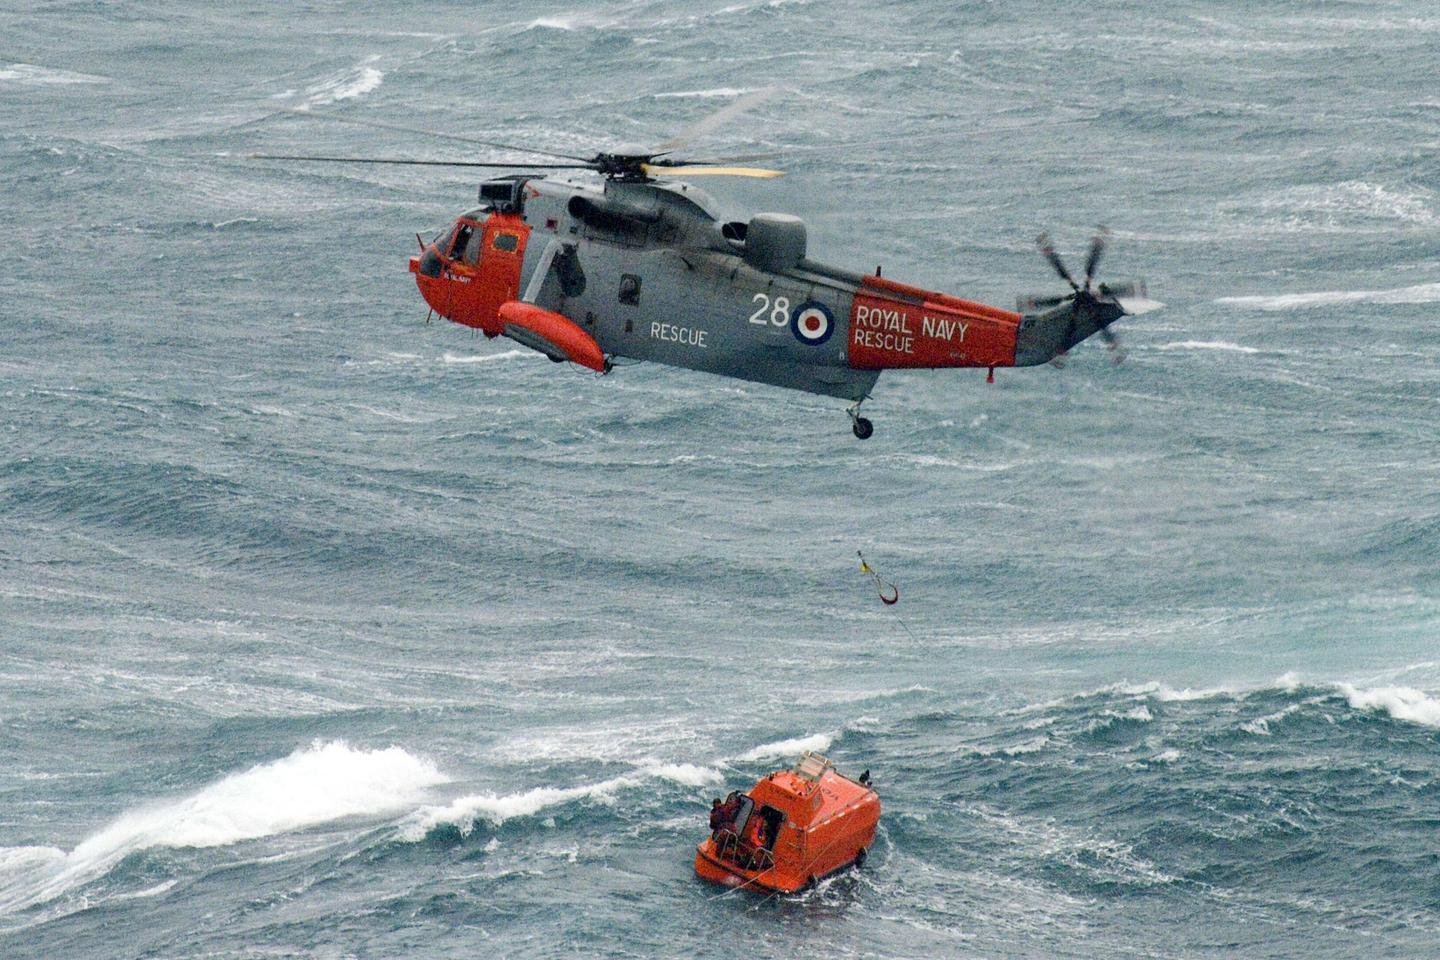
640	264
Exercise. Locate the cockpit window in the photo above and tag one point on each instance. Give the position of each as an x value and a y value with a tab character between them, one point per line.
462	238
506	241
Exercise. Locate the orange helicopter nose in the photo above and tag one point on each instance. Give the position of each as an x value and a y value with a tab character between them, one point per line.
428	269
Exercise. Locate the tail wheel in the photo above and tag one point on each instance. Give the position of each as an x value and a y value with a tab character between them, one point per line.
863	428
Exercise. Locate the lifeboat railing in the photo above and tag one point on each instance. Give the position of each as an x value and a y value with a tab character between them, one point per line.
728	846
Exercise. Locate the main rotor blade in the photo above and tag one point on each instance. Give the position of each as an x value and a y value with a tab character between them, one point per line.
1097	247
426	163
654	170
717	119
1027	304
1048	249
355	121
957	135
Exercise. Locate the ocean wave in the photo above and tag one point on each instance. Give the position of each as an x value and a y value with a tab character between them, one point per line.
817	742
553	23
1341	205
1166	693
1419	293
687	774
706	94
28	74
488	357
1401	703
345	85
316	784
463	813
1206	345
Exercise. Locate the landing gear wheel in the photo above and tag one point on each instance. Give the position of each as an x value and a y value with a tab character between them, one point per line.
862	428
860	858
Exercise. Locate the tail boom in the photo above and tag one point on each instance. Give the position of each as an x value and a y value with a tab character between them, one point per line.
895	325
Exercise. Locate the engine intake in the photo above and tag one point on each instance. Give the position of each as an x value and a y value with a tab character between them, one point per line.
774	242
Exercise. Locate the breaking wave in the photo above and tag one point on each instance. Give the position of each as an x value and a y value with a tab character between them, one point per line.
1401	703
314	785
463	813
783	748
344	86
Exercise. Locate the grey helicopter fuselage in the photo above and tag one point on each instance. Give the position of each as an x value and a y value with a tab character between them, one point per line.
645	269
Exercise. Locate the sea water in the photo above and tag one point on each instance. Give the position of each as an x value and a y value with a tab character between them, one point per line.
328	633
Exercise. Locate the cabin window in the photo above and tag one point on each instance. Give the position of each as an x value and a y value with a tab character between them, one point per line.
506	241
462	240
630	289
742	816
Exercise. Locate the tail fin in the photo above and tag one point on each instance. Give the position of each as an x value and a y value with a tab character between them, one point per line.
1046	334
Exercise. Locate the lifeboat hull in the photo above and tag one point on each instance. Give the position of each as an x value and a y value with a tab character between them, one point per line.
710	867
794	828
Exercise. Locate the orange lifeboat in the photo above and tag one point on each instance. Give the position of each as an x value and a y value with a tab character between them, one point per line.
793	828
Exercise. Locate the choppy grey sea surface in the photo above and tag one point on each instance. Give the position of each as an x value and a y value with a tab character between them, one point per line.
325	633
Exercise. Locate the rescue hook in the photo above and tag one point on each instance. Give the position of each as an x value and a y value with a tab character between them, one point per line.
889	593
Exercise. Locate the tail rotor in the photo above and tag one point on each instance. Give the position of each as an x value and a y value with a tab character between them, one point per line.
1093	307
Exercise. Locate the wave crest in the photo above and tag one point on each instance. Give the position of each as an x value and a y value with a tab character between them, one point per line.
313	785
1401	703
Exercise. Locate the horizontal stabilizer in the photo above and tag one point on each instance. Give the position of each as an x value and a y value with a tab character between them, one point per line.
1135	306
555	335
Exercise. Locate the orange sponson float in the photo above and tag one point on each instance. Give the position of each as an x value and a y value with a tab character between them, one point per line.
792	829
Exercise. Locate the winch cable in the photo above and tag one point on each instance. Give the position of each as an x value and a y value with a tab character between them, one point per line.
889	593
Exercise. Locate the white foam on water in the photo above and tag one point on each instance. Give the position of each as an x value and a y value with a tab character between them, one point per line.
1166	756
1419	293
1402	703
464	812
346	85
688	774
706	94
1206	345
1338	206
553	23
1167	694
29	75
1260	726
785	748
488	357
316	784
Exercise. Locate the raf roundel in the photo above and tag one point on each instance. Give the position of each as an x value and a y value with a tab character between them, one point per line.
812	323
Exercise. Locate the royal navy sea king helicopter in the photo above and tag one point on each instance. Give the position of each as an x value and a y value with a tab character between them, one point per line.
640	264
